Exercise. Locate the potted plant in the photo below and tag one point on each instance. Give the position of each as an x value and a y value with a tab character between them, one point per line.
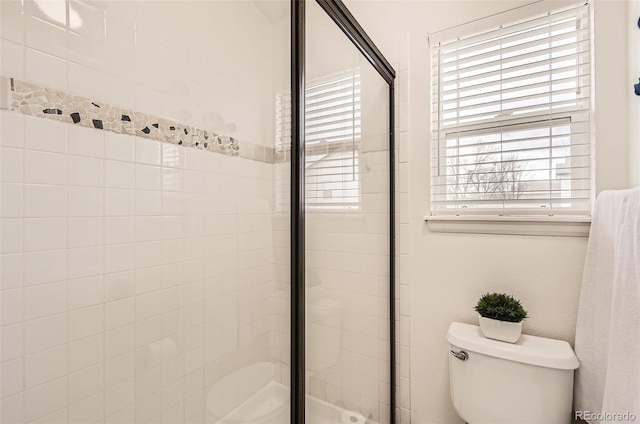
500	316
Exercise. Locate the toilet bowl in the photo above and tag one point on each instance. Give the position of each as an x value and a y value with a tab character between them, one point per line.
494	382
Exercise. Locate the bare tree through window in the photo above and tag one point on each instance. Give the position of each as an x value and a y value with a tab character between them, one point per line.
488	175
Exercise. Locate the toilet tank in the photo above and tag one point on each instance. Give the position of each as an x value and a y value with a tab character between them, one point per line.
530	381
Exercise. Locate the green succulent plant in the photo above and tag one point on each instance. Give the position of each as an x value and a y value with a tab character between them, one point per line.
501	306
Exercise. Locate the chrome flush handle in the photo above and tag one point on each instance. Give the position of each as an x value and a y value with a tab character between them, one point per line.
462	355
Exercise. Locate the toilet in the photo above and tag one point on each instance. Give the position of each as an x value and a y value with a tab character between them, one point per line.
494	382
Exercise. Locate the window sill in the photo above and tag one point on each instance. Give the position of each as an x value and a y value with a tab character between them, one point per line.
562	226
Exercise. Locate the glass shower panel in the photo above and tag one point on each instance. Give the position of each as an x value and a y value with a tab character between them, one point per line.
150	269
347	232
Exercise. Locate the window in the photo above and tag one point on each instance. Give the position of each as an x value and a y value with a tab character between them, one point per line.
511	118
332	138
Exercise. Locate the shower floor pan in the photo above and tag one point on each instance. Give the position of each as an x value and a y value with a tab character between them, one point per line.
271	406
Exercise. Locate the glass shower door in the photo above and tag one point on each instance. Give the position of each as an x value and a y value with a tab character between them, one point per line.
347	212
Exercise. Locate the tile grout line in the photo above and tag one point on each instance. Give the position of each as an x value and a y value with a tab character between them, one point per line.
103	285
22	285
66	288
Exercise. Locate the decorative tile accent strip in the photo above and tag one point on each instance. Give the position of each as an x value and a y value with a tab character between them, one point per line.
282	155
35	100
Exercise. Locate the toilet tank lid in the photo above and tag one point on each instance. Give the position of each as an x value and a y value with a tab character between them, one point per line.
540	351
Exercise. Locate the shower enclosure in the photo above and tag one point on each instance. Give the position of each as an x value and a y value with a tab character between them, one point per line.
342	226
196	214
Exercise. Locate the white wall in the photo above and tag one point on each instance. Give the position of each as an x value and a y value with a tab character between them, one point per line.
611	89
444	274
633	47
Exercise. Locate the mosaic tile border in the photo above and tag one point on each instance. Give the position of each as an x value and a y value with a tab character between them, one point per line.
35	100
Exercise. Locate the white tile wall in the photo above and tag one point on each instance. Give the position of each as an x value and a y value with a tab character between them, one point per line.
136	274
161	59
129	301
403	241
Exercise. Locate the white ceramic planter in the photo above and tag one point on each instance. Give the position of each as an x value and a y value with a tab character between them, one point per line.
500	330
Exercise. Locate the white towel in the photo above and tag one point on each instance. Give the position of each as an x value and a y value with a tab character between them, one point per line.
608	328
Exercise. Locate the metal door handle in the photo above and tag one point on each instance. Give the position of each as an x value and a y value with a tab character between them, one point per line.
462	355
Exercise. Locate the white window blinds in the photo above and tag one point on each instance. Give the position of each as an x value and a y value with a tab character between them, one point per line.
332	139
511	118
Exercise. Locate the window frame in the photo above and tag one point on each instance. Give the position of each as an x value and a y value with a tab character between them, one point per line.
522	222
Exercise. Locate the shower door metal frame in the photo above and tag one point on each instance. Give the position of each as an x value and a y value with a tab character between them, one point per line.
339	13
